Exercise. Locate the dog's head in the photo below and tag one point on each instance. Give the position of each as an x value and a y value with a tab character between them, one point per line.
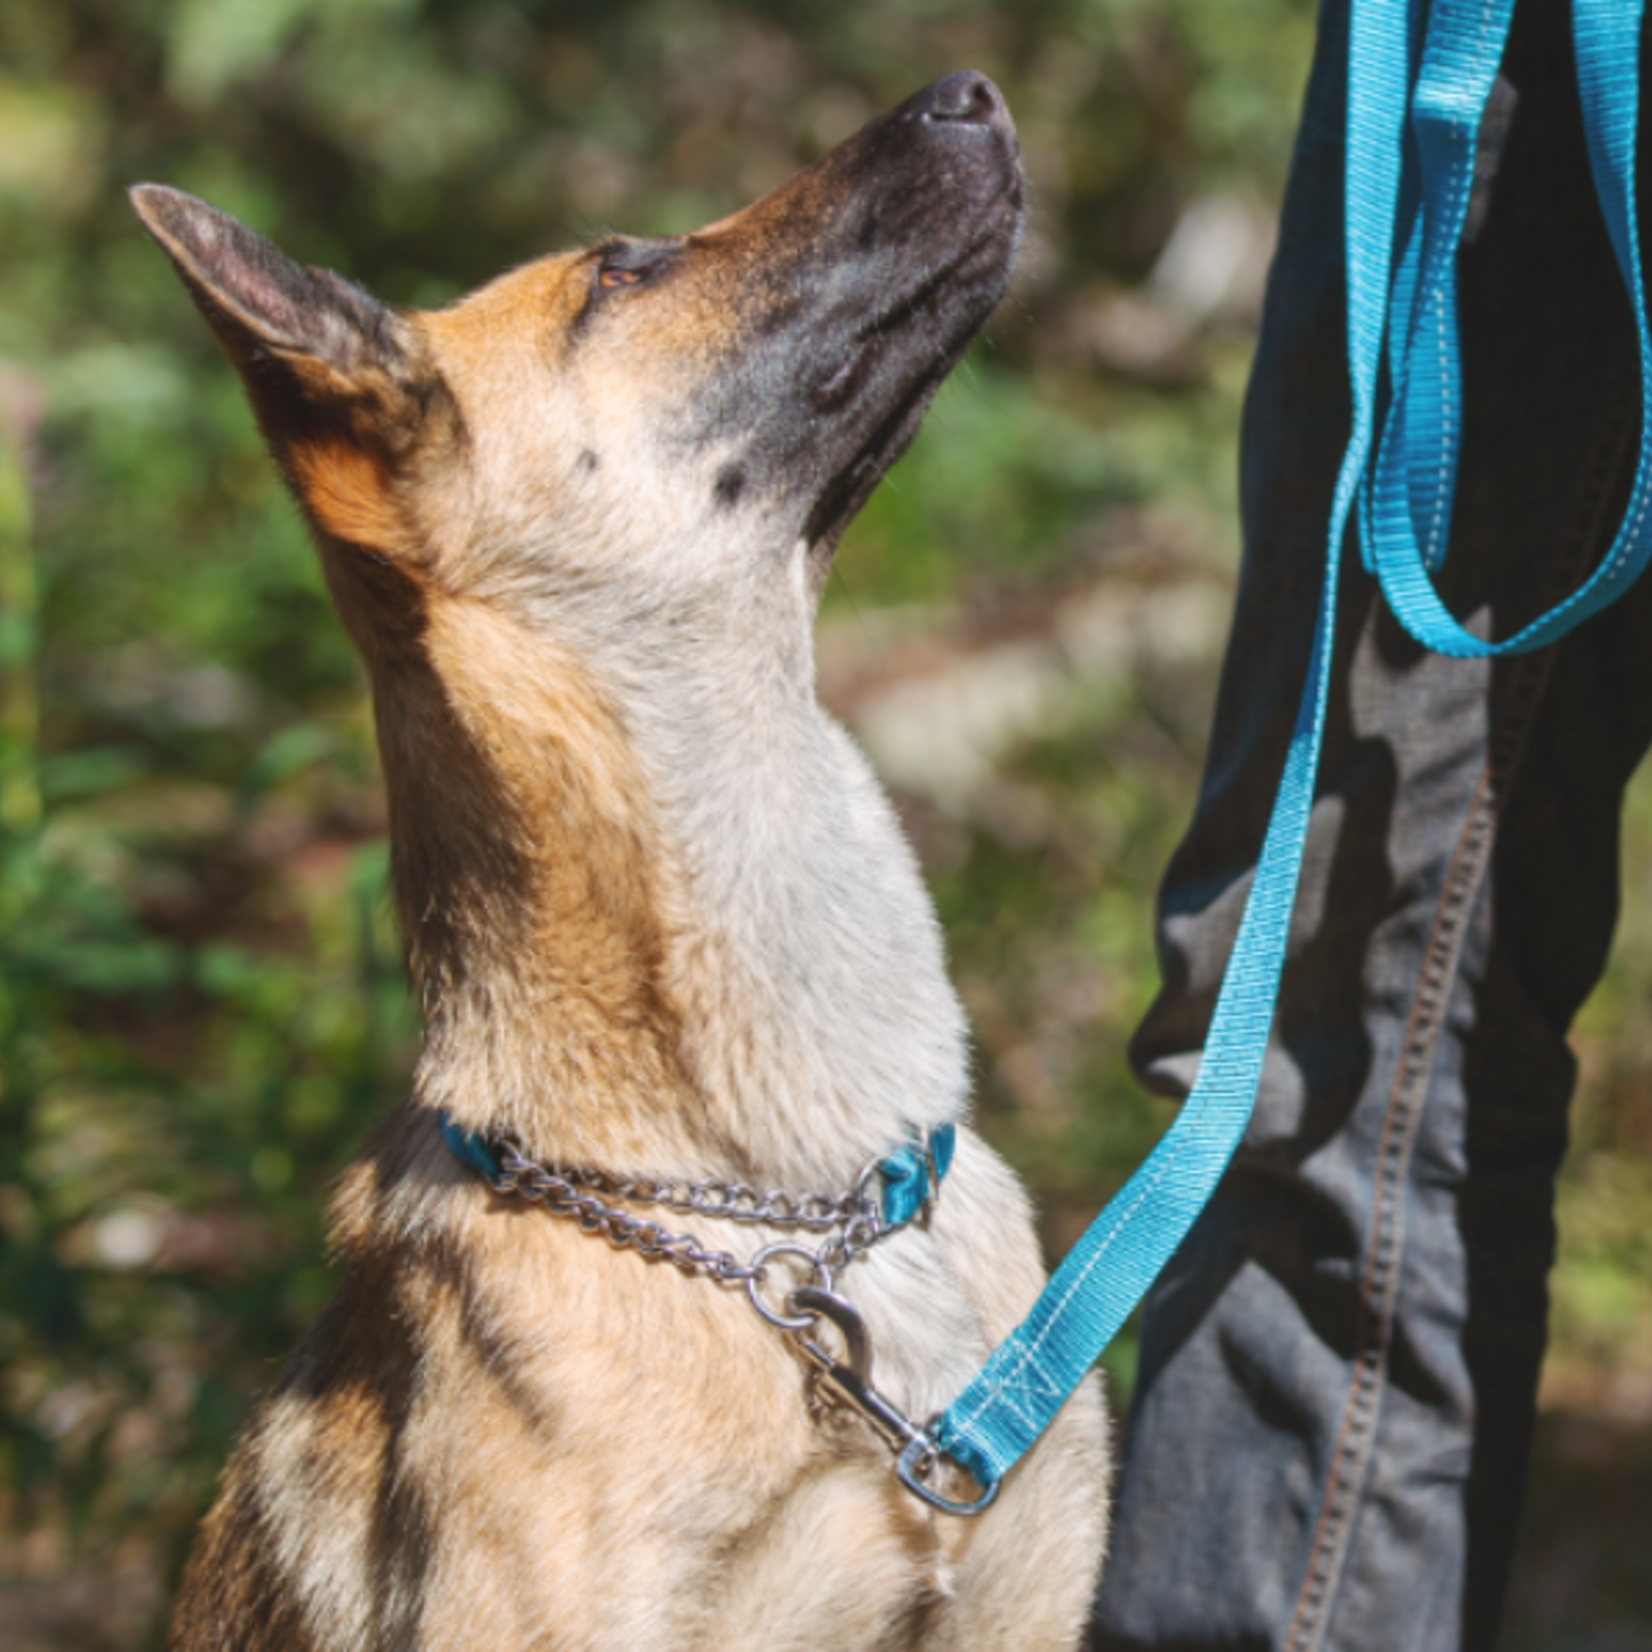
577	524
647	413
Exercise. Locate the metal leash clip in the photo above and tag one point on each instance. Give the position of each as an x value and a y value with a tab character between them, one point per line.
851	1224
848	1380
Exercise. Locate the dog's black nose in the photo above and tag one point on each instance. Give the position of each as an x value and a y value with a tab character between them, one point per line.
966	97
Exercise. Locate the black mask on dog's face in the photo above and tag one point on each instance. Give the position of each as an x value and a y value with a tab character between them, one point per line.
853	290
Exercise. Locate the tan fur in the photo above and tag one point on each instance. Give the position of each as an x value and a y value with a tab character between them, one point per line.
662	922
349	495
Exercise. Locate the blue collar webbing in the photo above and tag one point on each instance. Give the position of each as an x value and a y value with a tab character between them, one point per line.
909	1177
1013	1398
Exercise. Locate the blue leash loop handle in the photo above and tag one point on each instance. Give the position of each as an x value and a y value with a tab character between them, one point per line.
1404	491
1406	506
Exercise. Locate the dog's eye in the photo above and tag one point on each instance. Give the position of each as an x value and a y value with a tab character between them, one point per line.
630	263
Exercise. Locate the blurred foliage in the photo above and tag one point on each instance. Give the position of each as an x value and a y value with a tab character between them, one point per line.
201	999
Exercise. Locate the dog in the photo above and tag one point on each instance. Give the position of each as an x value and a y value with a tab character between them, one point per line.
667	935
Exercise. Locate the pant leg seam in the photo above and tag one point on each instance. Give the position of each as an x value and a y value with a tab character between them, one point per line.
1402	1112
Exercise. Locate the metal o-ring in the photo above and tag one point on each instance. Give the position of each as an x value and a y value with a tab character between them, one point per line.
821	1276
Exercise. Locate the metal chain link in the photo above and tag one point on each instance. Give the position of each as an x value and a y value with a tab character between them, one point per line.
851	1220
737	1202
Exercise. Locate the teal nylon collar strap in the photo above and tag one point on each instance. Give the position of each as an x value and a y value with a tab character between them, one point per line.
911	1176
474	1152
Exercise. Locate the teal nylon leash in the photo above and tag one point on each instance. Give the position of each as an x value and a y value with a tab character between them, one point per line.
1405	498
1407	504
1017	1393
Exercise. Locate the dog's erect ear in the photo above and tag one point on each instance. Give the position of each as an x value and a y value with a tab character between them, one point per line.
272	316
331	373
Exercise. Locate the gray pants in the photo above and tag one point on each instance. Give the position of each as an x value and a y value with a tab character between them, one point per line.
1336	1398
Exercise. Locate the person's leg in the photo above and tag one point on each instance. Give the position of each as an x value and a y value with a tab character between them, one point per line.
1328	1442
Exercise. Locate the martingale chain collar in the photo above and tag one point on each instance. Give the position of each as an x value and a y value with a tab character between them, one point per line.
909	1182
887	1196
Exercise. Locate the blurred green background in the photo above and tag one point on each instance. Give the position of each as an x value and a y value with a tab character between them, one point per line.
201	998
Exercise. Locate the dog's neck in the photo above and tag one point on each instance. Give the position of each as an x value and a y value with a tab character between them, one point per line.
661	916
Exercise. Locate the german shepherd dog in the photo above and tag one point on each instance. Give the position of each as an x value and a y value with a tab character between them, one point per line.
664	927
